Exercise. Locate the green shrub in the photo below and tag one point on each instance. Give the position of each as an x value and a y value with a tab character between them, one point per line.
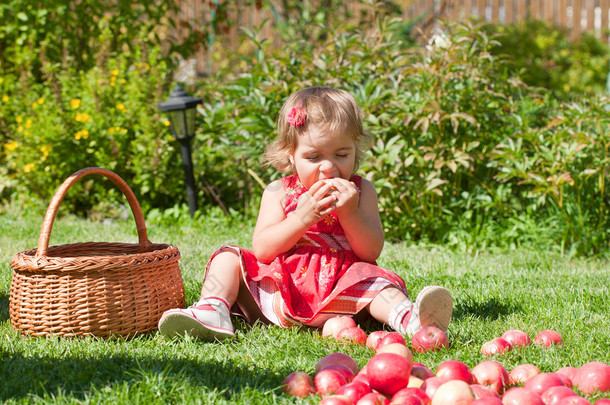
545	56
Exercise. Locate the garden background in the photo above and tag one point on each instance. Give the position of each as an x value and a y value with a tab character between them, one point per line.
490	159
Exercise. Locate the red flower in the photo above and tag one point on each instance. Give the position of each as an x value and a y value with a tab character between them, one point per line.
297	117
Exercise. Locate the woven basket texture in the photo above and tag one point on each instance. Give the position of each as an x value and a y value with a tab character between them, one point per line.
94	288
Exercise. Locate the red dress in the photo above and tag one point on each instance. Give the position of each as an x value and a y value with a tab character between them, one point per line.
320	277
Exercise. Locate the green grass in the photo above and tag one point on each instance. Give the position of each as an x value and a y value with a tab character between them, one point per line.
494	291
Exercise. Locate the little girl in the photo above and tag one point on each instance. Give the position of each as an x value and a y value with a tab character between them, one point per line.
316	239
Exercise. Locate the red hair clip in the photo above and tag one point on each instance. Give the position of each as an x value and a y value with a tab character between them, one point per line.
297	117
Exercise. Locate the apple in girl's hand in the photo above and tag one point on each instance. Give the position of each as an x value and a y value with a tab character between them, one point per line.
398	349
352	334
334	325
517	337
388	372
336	400
569	373
491	374
543	382
328	381
522	373
553	395
299	384
374	338
548	338
593	376
421	371
454	392
521	396
429	338
391	337
373	399
481	391
337	358
410	392
454	370
354	390
487	401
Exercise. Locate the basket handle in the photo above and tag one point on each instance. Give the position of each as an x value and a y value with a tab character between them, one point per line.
47	224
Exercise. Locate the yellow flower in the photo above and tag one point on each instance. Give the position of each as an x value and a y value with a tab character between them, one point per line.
28	123
19	119
28	168
20	128
115	72
82	134
40	101
5	98
165	122
1	80
75	103
11	146
45	149
121	107
82	117
111	130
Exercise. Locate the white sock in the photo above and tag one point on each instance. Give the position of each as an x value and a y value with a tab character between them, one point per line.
397	316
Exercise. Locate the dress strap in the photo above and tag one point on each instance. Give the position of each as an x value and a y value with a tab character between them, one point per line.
335	241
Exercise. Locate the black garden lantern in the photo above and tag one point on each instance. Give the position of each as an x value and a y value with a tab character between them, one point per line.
181	109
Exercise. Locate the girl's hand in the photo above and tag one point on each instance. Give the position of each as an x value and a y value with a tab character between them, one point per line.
316	203
347	196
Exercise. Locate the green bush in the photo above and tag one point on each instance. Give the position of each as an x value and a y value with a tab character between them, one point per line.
543	55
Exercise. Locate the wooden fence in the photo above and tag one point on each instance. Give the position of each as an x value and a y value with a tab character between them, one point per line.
577	16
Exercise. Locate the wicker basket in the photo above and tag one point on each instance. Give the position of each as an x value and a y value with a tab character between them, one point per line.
94	288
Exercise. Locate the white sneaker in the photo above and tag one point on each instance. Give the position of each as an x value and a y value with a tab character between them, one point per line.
208	319
433	307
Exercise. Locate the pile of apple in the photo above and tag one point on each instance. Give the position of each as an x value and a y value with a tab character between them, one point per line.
391	377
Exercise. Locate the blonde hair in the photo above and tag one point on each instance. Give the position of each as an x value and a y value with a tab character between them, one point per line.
329	110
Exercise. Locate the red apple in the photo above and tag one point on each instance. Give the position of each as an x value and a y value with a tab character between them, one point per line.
487	401
362	377
553	395
593	376
574	400
388	372
391	337
491	374
354	390
568	372
548	338
522	373
496	346
517	337
398	349
454	370
352	334
431	385
337	358
454	392
409	392
336	400
373	399
521	396
429	338
410	400
374	338
542	382
603	401
328	381
421	371
334	325
299	384
342	369
481	391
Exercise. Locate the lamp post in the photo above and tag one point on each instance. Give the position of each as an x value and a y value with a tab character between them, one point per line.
181	111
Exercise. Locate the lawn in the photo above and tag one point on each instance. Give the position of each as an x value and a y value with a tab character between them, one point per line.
494	291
